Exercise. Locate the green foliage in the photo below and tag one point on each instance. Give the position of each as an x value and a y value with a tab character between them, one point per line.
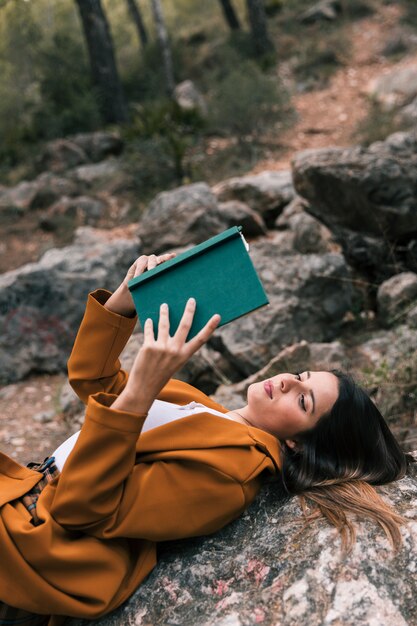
45	87
246	102
68	102
272	7
168	125
319	58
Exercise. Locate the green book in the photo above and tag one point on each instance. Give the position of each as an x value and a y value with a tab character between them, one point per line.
218	273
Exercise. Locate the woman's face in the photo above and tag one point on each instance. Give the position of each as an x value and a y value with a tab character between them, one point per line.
288	404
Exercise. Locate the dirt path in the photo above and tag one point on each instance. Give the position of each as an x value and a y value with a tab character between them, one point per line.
329	117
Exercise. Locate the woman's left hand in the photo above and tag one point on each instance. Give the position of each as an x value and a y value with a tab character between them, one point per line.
121	301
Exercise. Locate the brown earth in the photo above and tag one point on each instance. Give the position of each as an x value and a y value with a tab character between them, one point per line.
326	117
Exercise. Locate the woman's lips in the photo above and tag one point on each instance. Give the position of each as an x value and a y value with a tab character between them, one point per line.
268	388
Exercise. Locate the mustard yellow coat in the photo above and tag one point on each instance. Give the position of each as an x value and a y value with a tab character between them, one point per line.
120	491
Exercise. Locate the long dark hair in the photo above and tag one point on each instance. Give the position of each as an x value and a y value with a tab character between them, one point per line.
335	463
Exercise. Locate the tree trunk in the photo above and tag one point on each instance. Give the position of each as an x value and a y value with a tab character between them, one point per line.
230	15
162	35
257	21
103	64
136	16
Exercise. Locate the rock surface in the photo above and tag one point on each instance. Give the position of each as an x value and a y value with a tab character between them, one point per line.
41	304
62	154
185	215
267	193
396	296
367	198
265	568
395	88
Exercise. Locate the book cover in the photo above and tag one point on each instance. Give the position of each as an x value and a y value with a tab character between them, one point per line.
218	273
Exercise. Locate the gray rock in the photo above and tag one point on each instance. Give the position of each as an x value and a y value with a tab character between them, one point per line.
189	98
44	417
384	362
239	213
396	296
36	194
396	88
267	568
295	207
63	154
97	172
41	304
408	114
309	296
310	236
50	188
327	356
18	198
267	193
100	144
60	155
186	215
326	10
79	210
367	198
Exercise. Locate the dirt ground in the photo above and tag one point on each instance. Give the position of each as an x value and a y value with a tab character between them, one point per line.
326	117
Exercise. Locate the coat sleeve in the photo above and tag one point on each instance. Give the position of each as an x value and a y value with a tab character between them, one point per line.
94	364
101	492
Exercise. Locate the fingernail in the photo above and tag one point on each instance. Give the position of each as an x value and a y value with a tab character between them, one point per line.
164	305
191	300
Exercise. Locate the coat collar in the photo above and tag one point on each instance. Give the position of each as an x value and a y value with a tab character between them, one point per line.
207	431
204	430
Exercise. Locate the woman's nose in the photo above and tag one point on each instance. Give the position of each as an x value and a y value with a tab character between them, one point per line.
286	383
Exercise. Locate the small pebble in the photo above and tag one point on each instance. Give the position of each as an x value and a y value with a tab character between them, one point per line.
17	441
7	392
44	417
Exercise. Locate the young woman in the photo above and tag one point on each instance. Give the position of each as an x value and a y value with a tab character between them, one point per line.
156	459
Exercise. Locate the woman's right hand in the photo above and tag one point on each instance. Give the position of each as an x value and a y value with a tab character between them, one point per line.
160	357
121	300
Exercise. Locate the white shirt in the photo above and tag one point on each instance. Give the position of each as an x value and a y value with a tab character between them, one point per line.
160	413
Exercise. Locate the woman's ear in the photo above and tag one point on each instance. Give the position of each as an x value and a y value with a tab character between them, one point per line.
294	445
291	443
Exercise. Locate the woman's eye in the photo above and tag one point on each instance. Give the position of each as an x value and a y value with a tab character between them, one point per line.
303	404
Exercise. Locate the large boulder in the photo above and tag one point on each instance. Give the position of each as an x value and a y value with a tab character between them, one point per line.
185	215
267	568
66	213
36	194
396	296
395	88
41	304
267	193
62	154
367	198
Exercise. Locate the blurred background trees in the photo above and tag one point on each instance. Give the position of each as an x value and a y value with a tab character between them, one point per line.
70	66
105	77
195	88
